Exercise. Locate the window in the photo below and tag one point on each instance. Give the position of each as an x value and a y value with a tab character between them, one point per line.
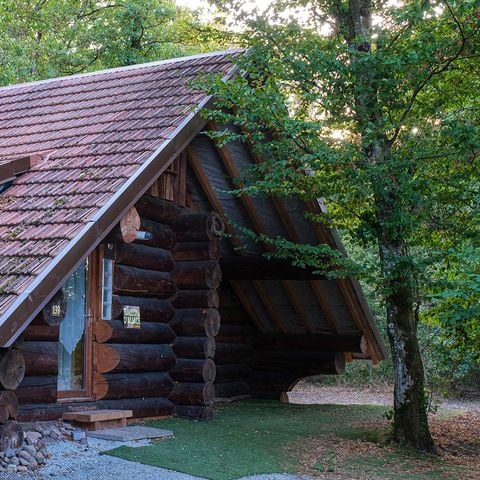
73	333
107	288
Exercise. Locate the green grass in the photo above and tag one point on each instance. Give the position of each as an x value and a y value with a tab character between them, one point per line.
266	437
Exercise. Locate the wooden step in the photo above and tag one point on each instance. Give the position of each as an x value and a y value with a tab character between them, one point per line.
99	419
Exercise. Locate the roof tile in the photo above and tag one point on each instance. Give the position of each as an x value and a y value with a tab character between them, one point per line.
94	130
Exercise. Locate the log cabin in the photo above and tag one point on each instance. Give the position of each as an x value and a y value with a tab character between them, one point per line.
124	281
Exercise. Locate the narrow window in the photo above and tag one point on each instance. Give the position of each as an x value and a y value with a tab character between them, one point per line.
71	344
107	288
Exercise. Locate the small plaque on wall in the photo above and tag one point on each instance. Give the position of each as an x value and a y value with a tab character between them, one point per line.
131	316
54	312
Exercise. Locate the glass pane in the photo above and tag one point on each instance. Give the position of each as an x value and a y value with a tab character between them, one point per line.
107	286
71	346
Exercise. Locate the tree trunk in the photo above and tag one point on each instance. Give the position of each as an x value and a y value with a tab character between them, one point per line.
410	409
410	416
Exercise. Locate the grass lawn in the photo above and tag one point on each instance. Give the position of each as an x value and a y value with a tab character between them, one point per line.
327	441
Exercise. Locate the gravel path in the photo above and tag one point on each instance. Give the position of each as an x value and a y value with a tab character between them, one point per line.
73	461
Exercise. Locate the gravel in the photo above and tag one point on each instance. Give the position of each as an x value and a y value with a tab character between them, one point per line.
79	461
75	461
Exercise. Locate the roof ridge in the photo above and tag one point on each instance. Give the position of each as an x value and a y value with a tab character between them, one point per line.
124	68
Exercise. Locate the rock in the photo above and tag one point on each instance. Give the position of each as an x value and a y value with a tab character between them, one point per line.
56	433
29	459
11	468
40	459
9	452
22	468
32	437
24	462
30	449
68	426
49	441
13	461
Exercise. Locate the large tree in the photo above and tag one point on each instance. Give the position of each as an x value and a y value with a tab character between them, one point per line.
48	38
378	103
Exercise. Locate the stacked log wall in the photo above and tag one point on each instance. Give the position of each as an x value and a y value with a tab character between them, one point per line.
236	358
131	365
263	364
39	347
197	275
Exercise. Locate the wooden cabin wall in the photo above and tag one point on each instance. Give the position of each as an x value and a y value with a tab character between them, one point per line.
166	366
260	363
196	343
235	358
195	322
38	388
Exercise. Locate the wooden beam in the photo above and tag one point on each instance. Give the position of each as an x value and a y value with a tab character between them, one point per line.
322	299
289	226
212	198
361	318
237	288
298	306
270	306
260	228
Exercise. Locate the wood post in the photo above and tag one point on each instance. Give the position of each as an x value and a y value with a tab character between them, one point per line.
200	250
310	342
193	394
301	362
197	299
115	386
190	370
130	225
163	211
144	256
194	347
198	227
41	333
37	389
41	358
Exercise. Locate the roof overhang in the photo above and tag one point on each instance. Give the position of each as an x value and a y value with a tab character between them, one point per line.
37	294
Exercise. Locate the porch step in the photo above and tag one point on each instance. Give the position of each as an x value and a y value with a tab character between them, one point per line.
99	419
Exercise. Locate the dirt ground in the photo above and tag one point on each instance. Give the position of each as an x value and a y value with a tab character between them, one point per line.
455	429
311	393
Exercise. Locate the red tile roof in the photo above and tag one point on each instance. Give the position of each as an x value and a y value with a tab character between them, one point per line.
95	132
